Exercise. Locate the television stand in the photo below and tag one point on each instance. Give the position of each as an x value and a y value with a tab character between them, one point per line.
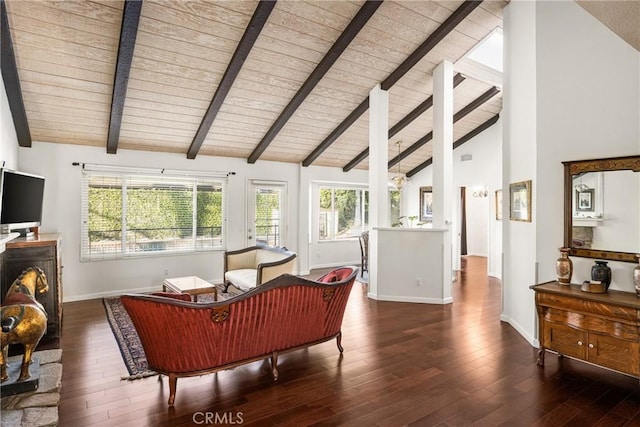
26	232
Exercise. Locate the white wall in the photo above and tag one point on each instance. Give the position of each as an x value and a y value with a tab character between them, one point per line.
571	92
588	107
400	277
99	278
519	163
482	171
8	138
61	213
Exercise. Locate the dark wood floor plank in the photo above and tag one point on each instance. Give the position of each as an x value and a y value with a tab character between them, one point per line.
404	364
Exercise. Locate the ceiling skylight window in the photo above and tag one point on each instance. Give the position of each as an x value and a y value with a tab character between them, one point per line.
489	51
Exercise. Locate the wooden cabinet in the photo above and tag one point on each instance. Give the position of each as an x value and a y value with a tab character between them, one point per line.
43	252
603	329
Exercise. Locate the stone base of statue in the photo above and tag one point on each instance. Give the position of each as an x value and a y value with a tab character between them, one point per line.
37	408
12	386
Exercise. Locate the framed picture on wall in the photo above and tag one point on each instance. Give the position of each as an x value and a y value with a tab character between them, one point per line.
585	200
520	201
499	204
426	204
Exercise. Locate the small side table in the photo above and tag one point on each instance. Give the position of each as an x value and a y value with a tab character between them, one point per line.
191	285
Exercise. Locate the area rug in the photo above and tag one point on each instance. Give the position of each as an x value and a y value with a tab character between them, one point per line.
128	340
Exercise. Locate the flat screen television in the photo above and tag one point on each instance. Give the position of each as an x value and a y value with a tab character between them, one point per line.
21	196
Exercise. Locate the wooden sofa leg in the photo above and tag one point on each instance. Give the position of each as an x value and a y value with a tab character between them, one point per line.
338	341
173	383
274	365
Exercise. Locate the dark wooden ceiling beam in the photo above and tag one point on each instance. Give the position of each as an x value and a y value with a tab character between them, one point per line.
351	119
456	117
12	82
457	144
436	37
404	122
440	33
347	36
128	34
251	33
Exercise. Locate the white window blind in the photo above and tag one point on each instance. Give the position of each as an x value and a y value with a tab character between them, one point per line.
126	214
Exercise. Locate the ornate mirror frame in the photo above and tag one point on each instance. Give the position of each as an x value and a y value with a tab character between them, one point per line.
596	165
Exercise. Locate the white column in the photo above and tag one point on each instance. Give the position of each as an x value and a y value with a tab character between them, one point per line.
443	145
443	189
378	176
378	157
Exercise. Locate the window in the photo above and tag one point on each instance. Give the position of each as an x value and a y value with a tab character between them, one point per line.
394	206
131	215
344	212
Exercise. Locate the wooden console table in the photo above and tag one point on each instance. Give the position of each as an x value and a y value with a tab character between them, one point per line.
44	252
602	329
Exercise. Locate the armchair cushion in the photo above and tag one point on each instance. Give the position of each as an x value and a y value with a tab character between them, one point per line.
255	265
243	279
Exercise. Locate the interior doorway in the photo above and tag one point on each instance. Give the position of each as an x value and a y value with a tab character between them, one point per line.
473	214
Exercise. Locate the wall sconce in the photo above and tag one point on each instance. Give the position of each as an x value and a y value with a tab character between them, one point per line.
480	193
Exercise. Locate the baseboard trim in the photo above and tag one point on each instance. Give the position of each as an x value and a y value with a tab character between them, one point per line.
107	294
515	325
420	300
334	264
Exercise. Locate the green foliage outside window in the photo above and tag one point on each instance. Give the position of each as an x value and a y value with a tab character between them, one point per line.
159	216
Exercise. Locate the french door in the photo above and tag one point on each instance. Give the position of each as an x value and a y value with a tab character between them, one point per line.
266	219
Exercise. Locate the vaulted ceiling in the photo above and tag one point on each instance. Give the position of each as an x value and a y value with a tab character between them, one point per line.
286	80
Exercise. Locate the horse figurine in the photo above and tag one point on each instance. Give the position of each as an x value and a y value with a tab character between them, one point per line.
23	318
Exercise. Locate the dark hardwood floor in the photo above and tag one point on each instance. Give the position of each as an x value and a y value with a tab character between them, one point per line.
404	364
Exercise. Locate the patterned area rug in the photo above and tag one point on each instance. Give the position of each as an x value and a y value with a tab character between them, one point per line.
127	338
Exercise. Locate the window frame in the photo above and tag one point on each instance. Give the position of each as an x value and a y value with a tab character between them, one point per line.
334	187
178	179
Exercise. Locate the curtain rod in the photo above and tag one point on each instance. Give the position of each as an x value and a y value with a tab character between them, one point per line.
155	171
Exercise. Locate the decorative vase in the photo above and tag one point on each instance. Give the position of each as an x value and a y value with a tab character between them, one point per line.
564	267
602	273
636	276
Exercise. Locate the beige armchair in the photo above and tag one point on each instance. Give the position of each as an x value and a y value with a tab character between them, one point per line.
249	267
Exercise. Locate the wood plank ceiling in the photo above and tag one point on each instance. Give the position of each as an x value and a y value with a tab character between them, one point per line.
66	54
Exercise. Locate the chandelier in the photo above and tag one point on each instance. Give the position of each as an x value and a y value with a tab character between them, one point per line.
399	180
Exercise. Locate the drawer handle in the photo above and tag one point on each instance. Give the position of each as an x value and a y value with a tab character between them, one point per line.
579	342
590	345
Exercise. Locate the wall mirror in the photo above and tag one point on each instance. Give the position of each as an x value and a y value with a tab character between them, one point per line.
602	208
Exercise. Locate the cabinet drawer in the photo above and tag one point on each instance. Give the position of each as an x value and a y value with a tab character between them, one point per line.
39	252
596	308
565	340
621	355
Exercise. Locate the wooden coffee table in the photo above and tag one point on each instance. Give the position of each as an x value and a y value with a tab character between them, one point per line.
191	285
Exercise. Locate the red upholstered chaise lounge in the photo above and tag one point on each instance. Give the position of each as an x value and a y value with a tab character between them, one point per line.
183	338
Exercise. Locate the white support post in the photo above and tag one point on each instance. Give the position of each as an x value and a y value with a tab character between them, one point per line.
443	190
378	157
443	145
378	176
